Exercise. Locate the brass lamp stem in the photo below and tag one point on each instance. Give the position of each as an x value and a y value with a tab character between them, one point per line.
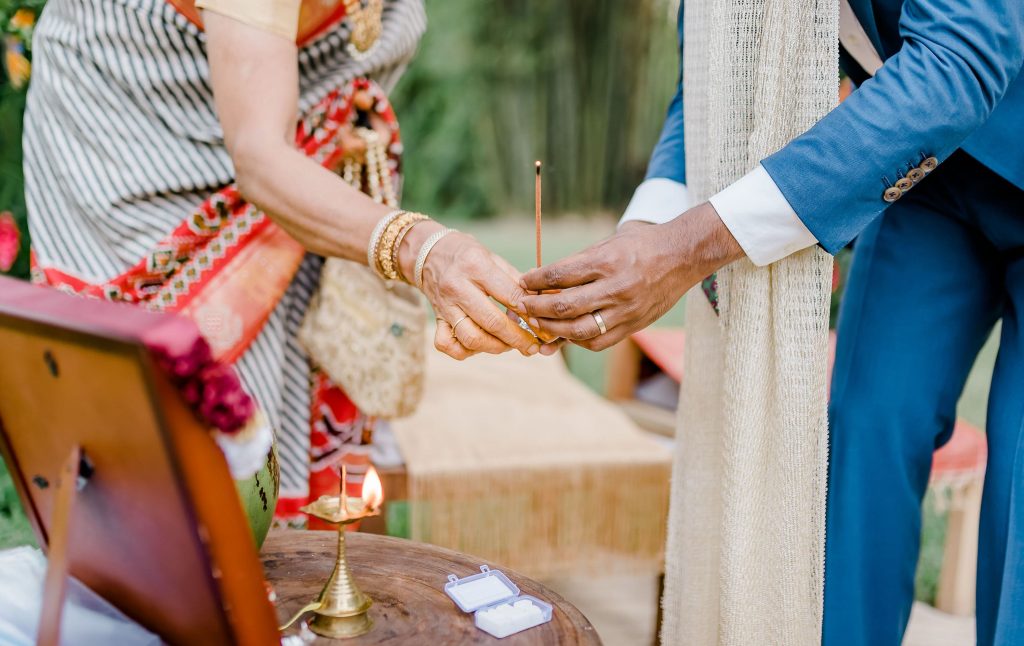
342	611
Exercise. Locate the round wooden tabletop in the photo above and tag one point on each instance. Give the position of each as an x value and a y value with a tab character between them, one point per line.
406	582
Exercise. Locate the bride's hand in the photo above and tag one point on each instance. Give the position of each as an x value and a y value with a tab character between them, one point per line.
459	276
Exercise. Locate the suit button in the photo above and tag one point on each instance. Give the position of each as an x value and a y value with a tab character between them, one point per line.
904	184
915	175
929	165
892	194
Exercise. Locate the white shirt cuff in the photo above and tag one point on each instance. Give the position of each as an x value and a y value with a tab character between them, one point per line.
657	200
760	218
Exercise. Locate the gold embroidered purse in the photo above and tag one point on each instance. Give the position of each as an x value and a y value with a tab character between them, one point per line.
366	333
368	336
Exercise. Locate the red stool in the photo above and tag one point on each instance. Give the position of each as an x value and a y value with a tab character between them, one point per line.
960	466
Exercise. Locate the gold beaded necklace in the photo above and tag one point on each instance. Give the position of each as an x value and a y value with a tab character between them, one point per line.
365	22
375	175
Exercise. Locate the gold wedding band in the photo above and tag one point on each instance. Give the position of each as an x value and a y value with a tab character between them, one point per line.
457	324
600	321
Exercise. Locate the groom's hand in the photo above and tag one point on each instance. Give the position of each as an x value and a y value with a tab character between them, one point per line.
628	280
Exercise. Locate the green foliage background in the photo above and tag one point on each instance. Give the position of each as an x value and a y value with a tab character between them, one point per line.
580	84
12	105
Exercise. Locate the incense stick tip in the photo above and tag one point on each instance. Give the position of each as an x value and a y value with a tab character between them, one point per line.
537	165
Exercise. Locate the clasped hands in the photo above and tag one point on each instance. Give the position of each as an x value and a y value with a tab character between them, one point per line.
594	298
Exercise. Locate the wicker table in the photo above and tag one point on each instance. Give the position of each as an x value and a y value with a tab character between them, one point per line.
406	582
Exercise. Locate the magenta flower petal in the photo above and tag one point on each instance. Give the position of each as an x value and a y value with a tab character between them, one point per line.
10	241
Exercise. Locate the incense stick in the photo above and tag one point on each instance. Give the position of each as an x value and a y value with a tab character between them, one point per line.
536	211
343	496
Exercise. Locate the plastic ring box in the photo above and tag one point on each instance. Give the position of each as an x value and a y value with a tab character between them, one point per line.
498	607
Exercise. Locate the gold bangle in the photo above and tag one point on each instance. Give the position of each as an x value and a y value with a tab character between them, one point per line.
421	258
386	239
398	245
387	243
371	249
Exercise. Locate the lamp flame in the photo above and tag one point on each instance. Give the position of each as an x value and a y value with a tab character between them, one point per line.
373	491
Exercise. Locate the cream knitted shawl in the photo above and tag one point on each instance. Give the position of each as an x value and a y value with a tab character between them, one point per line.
745	552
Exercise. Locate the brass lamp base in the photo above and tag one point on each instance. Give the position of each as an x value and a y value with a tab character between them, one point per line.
341	627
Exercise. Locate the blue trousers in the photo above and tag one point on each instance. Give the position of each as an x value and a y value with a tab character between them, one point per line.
929	281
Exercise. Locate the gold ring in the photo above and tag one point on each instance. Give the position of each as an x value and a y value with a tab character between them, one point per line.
600	321
457	324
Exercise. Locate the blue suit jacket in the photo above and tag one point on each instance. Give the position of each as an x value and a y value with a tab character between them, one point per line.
950	81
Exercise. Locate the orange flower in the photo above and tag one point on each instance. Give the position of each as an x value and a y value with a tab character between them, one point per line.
23	19
18	67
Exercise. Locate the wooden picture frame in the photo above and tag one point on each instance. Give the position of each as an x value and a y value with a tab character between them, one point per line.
153	522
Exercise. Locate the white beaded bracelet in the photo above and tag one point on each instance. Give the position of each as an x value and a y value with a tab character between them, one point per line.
378	231
421	259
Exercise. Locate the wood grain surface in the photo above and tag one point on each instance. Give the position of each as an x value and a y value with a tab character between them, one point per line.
406	582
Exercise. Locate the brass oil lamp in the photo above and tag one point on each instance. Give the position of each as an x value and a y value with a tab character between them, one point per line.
340	611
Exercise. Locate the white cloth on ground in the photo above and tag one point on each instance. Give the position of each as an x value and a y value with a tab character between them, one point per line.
88	619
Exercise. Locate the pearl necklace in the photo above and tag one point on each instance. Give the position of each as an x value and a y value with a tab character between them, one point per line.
375	173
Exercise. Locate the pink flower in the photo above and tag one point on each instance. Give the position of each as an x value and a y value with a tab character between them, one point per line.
224	404
192	361
210	388
191	392
182	363
10	241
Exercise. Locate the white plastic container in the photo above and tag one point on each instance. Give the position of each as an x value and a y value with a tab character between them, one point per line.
496	604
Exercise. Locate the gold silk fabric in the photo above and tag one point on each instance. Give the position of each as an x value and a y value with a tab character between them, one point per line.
298	20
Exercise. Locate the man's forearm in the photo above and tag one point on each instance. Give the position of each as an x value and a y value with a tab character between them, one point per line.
703	240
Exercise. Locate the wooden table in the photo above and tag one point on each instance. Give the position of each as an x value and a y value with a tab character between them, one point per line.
406	582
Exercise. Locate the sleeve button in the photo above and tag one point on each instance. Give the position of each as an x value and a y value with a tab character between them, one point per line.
892	194
929	165
915	175
904	184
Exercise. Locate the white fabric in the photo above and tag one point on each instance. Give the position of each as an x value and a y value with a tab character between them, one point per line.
855	40
87	618
753	209
246	452
745	552
657	200
760	218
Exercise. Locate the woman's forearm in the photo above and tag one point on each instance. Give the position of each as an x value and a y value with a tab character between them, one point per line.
255	86
255	83
326	215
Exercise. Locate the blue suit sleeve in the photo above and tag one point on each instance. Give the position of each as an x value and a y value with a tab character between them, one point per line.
668	159
957	60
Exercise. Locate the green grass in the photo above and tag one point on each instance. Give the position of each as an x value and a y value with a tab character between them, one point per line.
14	528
